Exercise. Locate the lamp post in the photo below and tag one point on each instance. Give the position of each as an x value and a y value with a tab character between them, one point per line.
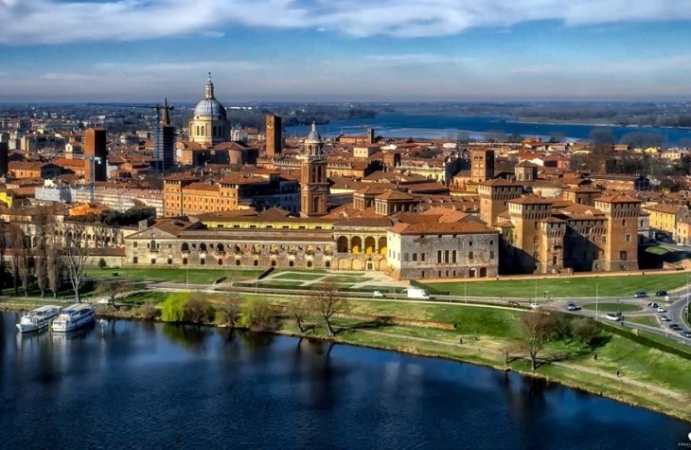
596	298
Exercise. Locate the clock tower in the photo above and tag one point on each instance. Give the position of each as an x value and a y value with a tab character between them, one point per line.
314	187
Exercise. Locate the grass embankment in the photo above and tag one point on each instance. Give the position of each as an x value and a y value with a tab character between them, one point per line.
611	307
564	287
650	321
649	377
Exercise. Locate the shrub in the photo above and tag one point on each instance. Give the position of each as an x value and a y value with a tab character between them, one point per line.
102	263
197	309
148	311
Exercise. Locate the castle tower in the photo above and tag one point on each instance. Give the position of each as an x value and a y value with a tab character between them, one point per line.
494	195
95	148
481	165
527	213
525	171
274	135
621	248
209	125
314	186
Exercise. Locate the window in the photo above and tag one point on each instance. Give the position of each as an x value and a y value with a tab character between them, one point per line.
202	262
291	263
405	257
491	254
491	242
628	238
422	257
327	264
623	222
470	255
184	261
153	261
170	261
622	256
256	263
134	244
439	257
135	260
414	256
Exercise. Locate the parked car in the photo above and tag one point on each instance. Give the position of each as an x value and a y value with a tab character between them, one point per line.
661	310
571	306
378	294
660	293
615	317
664	319
640	294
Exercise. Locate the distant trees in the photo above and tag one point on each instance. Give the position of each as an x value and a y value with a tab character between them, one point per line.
110	289
229	306
256	314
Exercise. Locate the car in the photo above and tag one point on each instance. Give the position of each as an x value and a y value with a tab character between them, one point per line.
660	293
615	317
571	306
653	305
534	305
378	294
661	309
675	327
664	319
686	334
103	301
640	294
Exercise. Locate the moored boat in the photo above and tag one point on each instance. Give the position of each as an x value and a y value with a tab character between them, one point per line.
38	319
74	317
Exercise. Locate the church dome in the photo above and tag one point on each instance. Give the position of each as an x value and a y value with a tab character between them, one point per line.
210	107
314	135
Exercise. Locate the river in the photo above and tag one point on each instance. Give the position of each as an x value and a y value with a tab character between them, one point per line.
144	385
398	125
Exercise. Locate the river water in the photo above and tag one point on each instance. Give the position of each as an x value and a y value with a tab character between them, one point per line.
398	125
143	385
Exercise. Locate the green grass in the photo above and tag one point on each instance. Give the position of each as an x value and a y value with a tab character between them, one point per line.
345	279
193	276
280	284
298	276
566	287
657	250
612	307
650	321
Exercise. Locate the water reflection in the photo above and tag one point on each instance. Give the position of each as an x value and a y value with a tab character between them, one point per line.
191	337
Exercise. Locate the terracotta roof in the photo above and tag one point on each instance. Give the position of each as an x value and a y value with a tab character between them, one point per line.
464	227
669	209
531	200
617	198
499	182
393	195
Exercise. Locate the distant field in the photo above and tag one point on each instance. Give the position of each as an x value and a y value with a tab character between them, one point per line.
617	286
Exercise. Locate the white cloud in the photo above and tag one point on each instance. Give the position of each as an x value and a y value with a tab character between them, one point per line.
53	21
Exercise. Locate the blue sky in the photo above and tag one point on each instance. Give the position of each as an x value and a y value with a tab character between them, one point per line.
359	50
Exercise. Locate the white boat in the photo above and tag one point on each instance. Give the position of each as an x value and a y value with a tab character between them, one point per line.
38	319
73	317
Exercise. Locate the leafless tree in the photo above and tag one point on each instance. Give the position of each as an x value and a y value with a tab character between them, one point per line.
26	264
536	329
3	264
53	263
298	309
43	236
230	306
74	256
197	308
110	289
15	242
326	302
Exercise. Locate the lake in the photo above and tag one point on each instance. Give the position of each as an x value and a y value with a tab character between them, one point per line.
398	125
144	385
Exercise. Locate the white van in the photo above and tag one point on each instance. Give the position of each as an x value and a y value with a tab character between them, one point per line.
378	294
613	317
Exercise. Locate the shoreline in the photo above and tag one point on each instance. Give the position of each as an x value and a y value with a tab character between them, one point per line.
622	397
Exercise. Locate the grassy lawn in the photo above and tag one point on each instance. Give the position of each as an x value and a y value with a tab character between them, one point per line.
345	279
281	284
298	276
612	307
566	287
196	276
650	321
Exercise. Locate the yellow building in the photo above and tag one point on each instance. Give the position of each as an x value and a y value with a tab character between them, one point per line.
6	197
665	217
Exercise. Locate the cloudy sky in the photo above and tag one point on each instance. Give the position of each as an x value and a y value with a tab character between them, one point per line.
360	50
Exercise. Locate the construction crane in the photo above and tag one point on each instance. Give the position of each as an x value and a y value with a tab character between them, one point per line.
162	115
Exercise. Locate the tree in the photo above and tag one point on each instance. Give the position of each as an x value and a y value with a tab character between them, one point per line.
298	309
326	302
15	242
536	330
75	256
584	331
54	265
229	307
173	309
3	266
256	314
43	226
197	308
110	289
102	264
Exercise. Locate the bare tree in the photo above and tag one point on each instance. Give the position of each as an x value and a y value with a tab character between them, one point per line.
585	331
197	308
43	236
26	264
53	263
110	289
74	256
15	242
326	302
230	306
298	309
536	329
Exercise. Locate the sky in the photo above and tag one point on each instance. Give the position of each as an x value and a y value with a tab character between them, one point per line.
345	50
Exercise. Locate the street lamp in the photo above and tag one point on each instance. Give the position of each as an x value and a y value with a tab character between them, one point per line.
596	298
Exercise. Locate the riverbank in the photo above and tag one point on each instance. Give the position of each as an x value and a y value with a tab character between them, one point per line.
649	378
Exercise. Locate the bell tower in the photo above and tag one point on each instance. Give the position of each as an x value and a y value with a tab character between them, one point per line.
314	186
